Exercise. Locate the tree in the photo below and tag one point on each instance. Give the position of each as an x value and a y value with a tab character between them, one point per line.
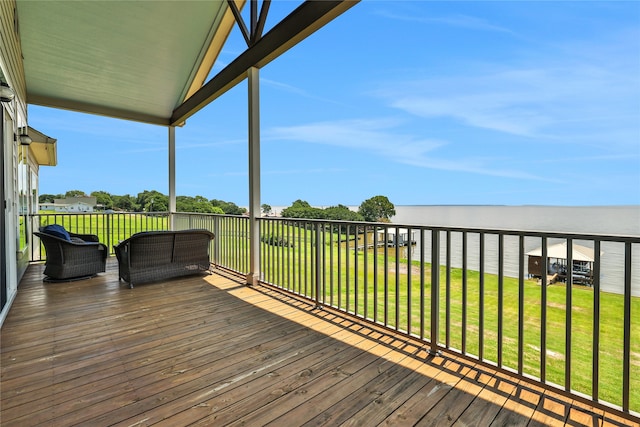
125	203
300	204
266	209
152	201
196	204
377	209
49	198
75	193
103	198
302	209
228	208
342	213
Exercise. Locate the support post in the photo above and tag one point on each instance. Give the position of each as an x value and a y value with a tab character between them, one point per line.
253	75
172	175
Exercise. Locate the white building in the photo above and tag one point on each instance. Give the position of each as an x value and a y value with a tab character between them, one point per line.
70	205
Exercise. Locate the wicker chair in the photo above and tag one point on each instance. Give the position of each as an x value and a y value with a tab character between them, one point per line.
156	255
81	257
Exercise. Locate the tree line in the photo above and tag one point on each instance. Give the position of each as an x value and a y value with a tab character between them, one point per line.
374	209
151	201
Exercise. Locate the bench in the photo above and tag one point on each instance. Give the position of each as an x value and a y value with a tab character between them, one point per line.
156	255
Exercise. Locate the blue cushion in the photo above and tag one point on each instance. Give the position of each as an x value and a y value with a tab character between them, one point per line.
57	230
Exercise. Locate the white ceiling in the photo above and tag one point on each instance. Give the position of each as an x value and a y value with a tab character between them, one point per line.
136	60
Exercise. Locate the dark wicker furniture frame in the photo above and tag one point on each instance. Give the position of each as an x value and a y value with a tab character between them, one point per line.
157	255
69	260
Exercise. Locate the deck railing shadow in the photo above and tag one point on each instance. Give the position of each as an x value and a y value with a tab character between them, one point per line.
481	302
524	394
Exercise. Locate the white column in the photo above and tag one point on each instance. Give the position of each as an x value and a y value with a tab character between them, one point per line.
253	75
172	174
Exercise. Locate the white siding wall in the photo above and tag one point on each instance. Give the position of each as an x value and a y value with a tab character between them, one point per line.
14	116
11	58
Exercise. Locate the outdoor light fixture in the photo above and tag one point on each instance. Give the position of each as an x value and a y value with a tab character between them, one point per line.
25	139
6	93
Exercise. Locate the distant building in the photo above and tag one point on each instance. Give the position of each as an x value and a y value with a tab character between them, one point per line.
70	205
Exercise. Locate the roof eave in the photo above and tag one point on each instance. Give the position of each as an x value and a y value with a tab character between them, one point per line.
102	110
302	22
218	39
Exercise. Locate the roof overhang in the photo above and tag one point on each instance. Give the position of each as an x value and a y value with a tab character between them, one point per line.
559	251
302	22
146	61
43	148
135	60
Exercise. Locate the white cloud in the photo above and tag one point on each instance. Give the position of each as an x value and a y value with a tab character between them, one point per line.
297	91
303	171
458	20
381	137
370	134
568	95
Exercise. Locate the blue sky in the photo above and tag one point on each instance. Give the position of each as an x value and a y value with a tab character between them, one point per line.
425	102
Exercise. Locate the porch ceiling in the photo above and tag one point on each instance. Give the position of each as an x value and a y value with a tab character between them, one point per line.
135	60
146	61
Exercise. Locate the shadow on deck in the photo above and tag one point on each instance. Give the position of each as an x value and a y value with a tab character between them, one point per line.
208	350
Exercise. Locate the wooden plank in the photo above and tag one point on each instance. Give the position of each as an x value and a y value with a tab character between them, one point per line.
552	410
341	402
584	415
457	400
487	404
519	406
200	405
138	377
208	350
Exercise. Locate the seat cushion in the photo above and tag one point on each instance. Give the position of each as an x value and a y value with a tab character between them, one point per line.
57	230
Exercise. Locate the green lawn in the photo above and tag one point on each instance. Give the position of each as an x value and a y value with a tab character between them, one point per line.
359	283
110	228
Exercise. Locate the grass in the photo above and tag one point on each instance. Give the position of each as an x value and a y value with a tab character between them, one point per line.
390	291
395	295
110	228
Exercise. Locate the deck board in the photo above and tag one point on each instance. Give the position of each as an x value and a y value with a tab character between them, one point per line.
208	350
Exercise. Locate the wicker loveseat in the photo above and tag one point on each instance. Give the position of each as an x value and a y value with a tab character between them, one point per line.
71	256
155	255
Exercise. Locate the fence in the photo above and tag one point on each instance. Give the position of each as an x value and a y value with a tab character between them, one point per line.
467	291
575	338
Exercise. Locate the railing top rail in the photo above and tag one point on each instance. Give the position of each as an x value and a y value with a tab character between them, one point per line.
97	213
211	214
417	227
131	213
479	230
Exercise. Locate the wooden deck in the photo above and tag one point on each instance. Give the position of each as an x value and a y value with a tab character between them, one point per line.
208	350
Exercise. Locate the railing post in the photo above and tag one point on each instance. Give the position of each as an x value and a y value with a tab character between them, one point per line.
216	240
108	232
595	357
626	346
435	291
318	266
543	312
568	318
